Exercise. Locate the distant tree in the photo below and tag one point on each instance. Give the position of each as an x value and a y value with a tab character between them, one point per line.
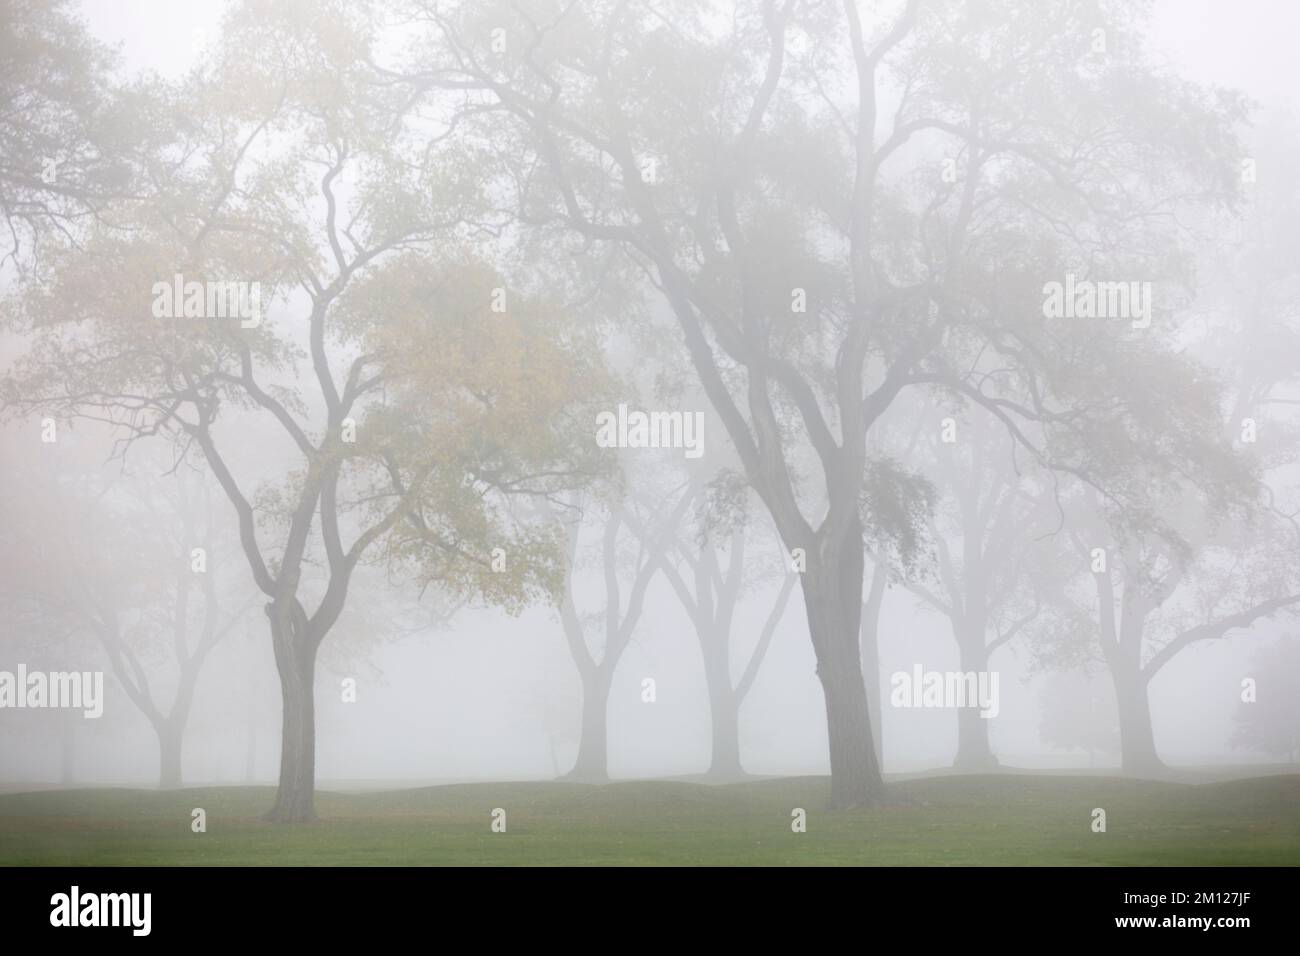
49	641
556	710
1154	593
139	566
838	209
1077	712
709	568
986	532
1184	569
632	545
1270	723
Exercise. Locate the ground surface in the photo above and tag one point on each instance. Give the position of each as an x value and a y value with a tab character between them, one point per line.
1004	819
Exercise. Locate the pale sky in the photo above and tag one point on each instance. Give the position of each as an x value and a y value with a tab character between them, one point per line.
161	35
1248	44
1244	43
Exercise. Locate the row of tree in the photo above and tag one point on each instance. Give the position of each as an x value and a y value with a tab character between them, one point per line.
835	230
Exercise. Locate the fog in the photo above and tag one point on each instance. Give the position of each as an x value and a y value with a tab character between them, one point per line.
487	550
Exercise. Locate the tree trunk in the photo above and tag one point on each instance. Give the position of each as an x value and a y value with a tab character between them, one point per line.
869	649
593	747
832	588
555	760
871	682
170	737
1124	659
68	748
973	750
1137	741
250	747
295	657
171	730
250	731
724	710
725	763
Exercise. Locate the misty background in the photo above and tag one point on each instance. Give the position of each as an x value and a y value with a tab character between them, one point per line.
446	690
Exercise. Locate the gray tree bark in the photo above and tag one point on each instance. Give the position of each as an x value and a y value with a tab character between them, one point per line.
832	590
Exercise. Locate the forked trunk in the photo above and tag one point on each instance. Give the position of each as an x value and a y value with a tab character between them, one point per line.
724	709
832	588
1137	741
593	747
295	656
169	756
973	750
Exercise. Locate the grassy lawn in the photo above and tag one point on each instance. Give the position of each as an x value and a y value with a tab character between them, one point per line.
1005	819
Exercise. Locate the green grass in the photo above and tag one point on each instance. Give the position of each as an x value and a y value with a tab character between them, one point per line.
1006	819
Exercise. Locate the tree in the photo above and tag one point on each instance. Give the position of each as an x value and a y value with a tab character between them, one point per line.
1077	712
986	537
67	139
555	708
58	641
1158	593
132	565
626	541
410	409
1270	722
780	177
1187	571
714	578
